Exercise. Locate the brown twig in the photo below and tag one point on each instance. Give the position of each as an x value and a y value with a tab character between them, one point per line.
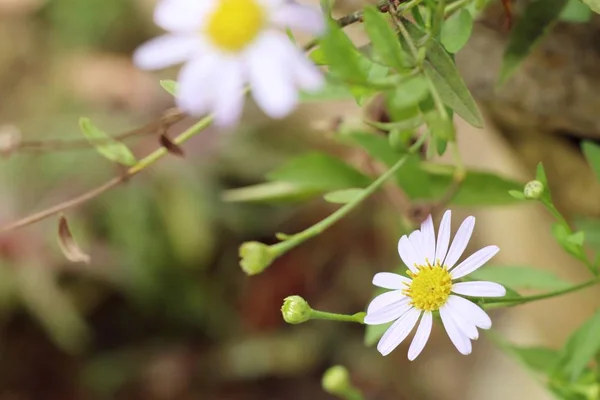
168	119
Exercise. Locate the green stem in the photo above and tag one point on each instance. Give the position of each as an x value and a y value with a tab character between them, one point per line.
437	99
161	151
451	8
358	317
294	240
527	299
406	36
352	394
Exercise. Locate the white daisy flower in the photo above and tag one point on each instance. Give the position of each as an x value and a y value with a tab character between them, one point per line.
432	270
228	43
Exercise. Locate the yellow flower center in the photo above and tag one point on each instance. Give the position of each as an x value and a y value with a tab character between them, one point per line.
235	23
430	287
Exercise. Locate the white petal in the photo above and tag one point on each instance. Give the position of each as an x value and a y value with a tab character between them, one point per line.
428	239
416	239
459	339
296	16
398	331
470	312
421	336
182	15
166	50
272	84
459	244
407	254
465	326
196	85
443	240
388	313
387	280
307	76
479	289
384	300
474	261
229	101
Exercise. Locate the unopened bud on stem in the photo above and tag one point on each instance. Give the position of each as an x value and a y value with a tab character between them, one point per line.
533	190
256	257
295	310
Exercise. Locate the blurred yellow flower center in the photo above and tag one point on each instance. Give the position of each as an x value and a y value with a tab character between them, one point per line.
430	287
235	23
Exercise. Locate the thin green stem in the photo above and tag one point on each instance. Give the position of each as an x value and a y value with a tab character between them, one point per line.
404	32
527	299
437	99
451	8
161	152
294	240
358	317
352	394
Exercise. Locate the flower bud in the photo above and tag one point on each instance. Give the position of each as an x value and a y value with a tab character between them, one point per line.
336	380
533	190
295	310
256	257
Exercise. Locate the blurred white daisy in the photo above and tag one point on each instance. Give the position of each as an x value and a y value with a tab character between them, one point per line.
431	267
228	43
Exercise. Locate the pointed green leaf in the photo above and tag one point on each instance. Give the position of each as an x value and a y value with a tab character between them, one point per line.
593	4
386	46
106	145
520	277
536	21
169	86
341	54
441	70
581	347
319	171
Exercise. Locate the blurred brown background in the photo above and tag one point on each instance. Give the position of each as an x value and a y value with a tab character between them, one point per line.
164	311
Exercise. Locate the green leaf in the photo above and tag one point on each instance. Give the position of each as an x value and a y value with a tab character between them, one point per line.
410	178
571	242
456	30
480	188
318	56
593	4
319	171
536	21
441	70
520	277
342	196
538	359
375	72
440	128
330	91
106	145
581	347
517	194
577	12
592	154
169	86
386	46
407	94
341	55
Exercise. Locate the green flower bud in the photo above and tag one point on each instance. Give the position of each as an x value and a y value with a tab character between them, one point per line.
256	257
336	380
533	190
295	310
